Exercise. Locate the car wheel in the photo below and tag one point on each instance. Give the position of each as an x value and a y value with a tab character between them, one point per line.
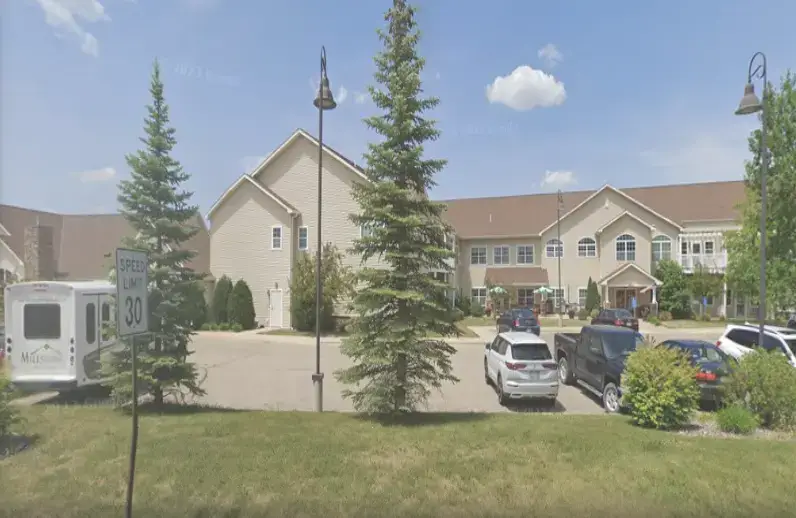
500	394
564	374
611	398
486	374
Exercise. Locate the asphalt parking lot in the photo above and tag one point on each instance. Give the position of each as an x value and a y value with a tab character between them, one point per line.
270	372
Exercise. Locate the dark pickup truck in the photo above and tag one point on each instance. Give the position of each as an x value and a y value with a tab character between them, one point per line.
595	359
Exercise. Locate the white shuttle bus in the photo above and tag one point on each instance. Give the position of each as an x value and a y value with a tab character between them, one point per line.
57	333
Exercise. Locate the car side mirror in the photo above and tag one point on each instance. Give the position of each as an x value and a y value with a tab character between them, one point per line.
487	345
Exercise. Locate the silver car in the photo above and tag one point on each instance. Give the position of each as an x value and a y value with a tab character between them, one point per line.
520	366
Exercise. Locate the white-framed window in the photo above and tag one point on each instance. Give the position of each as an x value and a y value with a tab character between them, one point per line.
524	254
304	238
709	247
587	247
501	254
478	296
582	293
558	297
478	255
525	297
696	248
276	237
554	248
661	248
684	248
625	248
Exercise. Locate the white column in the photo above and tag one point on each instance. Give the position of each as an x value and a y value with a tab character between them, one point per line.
654	294
724	300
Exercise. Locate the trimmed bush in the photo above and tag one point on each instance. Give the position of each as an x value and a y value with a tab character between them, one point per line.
737	419
705	317
594	312
223	327
477	310
765	384
464	304
665	316
661	388
236	328
218	306
241	306
654	320
206	327
197	305
583	314
213	327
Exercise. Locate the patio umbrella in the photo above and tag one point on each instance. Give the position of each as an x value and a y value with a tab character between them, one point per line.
545	290
497	290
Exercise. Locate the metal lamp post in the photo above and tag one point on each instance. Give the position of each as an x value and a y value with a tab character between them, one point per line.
751	104
324	101
559	251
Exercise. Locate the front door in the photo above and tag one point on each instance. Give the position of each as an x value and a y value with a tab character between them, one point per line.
624	298
275	308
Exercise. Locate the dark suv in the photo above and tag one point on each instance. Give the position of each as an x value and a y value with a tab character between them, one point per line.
616	317
518	319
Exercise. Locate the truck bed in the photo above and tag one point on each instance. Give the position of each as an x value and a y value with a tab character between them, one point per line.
565	338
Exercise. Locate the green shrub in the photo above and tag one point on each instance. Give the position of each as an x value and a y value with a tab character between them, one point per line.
583	314
738	419
236	328
654	320
665	316
241	305
223	327
9	414
196	305
477	310
218	306
705	317
338	284
594	312
206	326
661	388
722	318
213	327
765	383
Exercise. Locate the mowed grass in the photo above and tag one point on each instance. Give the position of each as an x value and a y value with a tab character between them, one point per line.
276	464
465	331
543	321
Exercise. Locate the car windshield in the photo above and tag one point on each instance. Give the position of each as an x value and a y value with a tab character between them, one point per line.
530	352
701	355
791	344
620	344
622	313
523	313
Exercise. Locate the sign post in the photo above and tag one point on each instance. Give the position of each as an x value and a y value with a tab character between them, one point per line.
132	317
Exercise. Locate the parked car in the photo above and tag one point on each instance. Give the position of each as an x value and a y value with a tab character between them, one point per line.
616	317
520	366
519	319
595	359
740	339
714	365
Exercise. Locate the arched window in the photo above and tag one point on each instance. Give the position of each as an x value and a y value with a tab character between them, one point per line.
661	248
625	248
587	247
554	248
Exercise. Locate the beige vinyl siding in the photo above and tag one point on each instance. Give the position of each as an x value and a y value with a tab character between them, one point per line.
474	275
240	247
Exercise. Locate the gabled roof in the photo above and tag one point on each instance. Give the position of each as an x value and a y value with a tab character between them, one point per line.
530	215
626	267
82	243
623	215
262	166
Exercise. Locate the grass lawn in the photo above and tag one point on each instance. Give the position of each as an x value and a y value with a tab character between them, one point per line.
263	464
543	321
465	331
685	324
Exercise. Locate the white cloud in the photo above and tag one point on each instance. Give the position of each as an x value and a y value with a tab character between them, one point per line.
526	89
96	175
551	55
342	95
248	163
361	97
558	179
65	16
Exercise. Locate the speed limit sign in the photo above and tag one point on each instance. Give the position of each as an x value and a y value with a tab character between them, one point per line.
132	280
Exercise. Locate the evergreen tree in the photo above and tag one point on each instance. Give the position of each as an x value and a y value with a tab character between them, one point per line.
241	305
158	208
396	360
592	296
218	307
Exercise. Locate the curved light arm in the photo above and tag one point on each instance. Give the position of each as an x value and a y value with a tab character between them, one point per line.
759	72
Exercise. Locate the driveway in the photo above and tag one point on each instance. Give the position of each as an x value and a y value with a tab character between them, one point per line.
272	372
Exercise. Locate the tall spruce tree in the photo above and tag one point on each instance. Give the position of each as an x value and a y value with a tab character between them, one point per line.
155	204
400	308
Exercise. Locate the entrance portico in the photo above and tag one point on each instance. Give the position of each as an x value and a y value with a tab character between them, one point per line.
629	281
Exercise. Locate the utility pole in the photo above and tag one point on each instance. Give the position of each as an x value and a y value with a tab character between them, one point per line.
559	252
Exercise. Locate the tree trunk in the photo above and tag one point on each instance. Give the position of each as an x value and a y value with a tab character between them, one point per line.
400	388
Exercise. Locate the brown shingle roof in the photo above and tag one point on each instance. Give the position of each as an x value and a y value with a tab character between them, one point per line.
520	276
81	242
528	214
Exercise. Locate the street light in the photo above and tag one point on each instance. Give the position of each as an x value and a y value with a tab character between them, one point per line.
559	251
324	101
751	104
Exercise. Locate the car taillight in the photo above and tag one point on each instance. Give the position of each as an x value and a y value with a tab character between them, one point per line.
718	343
706	376
514	366
550	366
517	323
617	322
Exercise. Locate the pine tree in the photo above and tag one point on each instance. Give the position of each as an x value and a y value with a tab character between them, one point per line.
241	306
401	308
592	296
218	307
158	208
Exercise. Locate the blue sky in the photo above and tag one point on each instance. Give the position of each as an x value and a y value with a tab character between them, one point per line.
636	93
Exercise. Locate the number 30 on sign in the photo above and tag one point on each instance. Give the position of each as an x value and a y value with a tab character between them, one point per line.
132	267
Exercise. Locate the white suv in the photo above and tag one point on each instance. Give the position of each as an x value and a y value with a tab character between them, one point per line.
520	366
740	339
